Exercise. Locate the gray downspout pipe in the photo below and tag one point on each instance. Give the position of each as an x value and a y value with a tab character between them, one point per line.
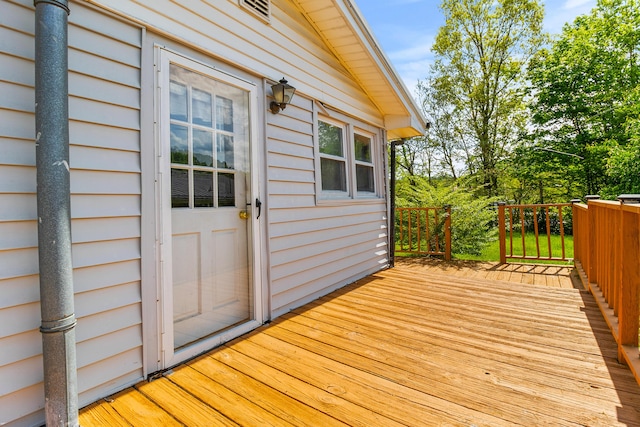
392	202
54	213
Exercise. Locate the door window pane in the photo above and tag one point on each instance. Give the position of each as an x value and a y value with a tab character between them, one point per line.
202	189
202	111
178	101
209	127
179	188
224	114
202	148
179	144
226	189
225	151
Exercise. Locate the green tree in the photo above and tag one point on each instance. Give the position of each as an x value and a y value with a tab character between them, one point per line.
472	221
481	56
584	90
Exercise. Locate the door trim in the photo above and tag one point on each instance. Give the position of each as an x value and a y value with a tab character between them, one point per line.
169	357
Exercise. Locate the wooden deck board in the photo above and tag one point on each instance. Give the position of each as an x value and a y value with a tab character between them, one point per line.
455	344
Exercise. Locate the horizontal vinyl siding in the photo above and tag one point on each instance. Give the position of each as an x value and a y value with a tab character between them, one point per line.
104	104
313	248
225	30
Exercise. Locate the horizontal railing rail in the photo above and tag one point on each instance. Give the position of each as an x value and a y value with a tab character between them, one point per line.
424	231
607	256
515	222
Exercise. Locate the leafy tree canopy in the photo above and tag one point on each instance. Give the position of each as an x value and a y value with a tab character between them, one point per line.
585	95
481	53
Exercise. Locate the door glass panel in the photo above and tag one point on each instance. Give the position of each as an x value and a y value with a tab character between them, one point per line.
179	188
224	114
179	144
225	151
178	101
202	148
226	189
202	189
210	174
202	108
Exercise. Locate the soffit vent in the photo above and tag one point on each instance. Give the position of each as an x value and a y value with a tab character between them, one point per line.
259	7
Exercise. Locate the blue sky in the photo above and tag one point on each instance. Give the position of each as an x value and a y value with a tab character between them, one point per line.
406	29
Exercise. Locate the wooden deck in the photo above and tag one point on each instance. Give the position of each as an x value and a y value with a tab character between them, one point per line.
423	344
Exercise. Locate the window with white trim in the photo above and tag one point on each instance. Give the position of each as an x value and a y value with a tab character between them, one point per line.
347	160
365	177
333	162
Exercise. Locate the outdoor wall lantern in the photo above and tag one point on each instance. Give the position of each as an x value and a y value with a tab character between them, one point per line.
282	95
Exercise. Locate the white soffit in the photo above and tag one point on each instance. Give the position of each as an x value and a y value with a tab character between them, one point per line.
343	29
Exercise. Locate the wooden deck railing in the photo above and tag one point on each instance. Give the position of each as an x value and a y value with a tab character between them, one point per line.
424	231
607	254
515	221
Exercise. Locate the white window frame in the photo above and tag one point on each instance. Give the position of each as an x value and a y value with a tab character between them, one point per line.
335	194
350	127
372	164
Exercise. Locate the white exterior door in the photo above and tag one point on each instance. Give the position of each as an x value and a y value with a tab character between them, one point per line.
209	288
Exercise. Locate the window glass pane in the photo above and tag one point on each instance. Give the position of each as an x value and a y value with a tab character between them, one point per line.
226	189
333	175
179	188
179	144
225	151
202	148
330	139
202	189
202	110
362	148
224	114
364	177
178	101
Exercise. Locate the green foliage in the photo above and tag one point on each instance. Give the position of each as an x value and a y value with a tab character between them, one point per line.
481	52
472	219
585	96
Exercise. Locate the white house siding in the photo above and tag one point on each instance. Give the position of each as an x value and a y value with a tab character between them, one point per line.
104	83
286	46
314	247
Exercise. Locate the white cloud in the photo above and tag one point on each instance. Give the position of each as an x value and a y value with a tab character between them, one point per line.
572	4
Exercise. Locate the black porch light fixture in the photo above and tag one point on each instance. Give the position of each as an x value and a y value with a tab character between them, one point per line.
282	95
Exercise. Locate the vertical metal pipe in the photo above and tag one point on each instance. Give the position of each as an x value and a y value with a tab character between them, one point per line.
54	213
392	202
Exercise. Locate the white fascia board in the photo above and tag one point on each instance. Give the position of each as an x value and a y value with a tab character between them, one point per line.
360	27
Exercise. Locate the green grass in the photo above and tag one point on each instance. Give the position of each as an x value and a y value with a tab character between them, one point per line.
492	251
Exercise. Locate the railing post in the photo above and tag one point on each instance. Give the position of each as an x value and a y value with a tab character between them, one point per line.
447	233
503	232
592	224
578	230
629	273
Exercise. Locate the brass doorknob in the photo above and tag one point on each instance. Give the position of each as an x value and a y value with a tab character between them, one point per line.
243	215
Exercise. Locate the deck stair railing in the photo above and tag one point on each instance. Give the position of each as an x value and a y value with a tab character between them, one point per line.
516	222
607	255
424	231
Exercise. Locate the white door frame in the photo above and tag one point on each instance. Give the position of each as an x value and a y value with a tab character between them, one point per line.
168	356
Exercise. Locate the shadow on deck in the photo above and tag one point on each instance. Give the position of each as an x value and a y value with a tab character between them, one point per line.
461	344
